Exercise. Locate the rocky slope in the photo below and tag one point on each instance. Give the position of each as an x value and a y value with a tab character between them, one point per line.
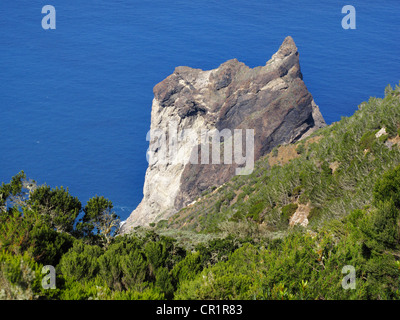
272	99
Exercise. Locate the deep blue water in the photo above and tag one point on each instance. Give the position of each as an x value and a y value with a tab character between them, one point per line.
75	102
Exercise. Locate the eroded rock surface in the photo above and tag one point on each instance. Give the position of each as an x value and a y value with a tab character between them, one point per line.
272	99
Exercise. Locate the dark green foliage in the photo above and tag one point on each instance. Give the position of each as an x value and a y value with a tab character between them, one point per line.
49	245
255	210
229	197
11	189
274	151
288	211
15	230
300	148
368	140
164	282
57	206
216	250
383	138
99	222
218	205
162	224
134	268
315	213
385	224
388	187
296	191
241	197
156	254
114	264
19	277
387	200
80	262
111	270
188	268
29	232
326	170
95	208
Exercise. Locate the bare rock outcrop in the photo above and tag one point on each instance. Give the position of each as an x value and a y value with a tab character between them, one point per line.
272	100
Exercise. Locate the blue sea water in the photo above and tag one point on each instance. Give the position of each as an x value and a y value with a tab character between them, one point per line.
75	102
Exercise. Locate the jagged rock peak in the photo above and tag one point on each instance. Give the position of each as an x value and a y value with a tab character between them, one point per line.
271	99
287	47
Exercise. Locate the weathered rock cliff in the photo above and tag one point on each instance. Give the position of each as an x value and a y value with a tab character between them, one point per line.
272	99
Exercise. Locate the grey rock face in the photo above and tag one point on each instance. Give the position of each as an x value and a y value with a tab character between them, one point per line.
272	99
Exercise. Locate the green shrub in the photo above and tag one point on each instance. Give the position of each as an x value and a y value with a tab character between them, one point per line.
48	245
300	148
368	140
134	268
255	210
57	205
274	151
383	138
162	224
110	269
229	197
388	187
314	213
226	280
88	290
156	254
218	206
296	191
188	268
288	211
19	277
386	224
164	282
81	262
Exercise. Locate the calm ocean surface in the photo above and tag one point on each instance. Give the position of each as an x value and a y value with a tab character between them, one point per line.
75	102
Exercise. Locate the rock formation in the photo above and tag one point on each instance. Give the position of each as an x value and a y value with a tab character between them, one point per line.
272	99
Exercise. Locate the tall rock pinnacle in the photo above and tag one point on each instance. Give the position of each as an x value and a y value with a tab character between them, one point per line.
272	100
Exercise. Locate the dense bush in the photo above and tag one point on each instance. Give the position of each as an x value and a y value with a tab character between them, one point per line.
19	276
288	211
58	207
388	187
81	262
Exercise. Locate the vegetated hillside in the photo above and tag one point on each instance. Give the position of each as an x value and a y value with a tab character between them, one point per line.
320	178
345	180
